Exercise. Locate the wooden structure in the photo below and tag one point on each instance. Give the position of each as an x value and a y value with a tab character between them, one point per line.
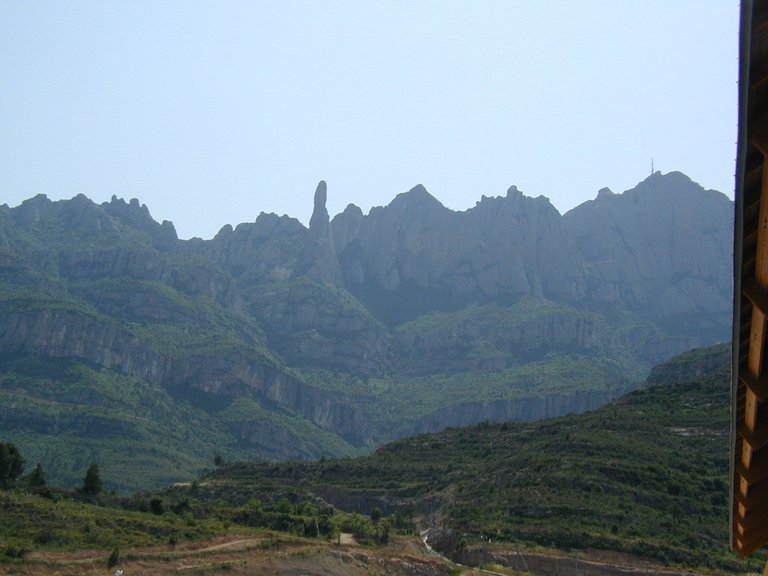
749	388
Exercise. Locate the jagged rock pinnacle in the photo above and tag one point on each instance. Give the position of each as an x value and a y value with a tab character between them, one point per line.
317	258
319	222
321	195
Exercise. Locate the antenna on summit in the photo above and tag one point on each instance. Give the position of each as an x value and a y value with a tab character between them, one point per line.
652	166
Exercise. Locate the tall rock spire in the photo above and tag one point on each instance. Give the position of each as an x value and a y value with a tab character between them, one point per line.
317	259
319	221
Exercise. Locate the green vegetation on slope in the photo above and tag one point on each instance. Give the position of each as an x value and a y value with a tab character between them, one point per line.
646	475
39	518
34	522
66	413
396	403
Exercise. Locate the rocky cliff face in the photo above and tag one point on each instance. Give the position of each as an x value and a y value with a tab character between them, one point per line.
256	253
522	410
323	324
692	365
220	373
81	283
662	248
319	326
487	340
502	248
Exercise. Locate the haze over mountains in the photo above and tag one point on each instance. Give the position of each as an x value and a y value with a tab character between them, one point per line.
274	340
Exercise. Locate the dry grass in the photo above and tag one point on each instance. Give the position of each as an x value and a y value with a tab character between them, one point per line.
239	556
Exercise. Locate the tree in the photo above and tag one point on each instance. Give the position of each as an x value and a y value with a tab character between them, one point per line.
11	463
382	531
37	477
284	506
114	558
376	514
92	481
156	505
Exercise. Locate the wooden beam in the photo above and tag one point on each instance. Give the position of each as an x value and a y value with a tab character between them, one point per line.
752	474
750	501
758	134
751	542
744	491
759	18
756	340
761	253
757	295
751	404
756	519
757	439
758	77
758	386
746	460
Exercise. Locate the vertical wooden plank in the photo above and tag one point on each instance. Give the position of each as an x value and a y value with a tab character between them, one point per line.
750	410
746	459
744	489
756	339
761	252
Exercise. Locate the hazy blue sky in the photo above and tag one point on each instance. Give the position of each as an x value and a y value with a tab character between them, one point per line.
211	112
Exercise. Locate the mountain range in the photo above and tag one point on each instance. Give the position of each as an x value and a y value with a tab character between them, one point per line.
125	345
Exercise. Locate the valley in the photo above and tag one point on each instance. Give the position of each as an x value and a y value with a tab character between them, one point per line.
636	486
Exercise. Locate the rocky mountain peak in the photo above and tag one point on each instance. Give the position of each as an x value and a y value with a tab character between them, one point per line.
516	199
416	198
225	231
605	193
658	246
31	211
136	215
419	190
352	210
70	220
671	187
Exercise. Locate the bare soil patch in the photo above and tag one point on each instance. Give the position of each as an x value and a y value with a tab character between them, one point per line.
241	556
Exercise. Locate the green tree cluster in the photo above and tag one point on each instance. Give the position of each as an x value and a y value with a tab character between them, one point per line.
11	464
92	481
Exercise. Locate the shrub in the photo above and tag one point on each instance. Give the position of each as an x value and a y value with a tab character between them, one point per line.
156	505
11	463
45	536
92	481
16	551
37	477
114	558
